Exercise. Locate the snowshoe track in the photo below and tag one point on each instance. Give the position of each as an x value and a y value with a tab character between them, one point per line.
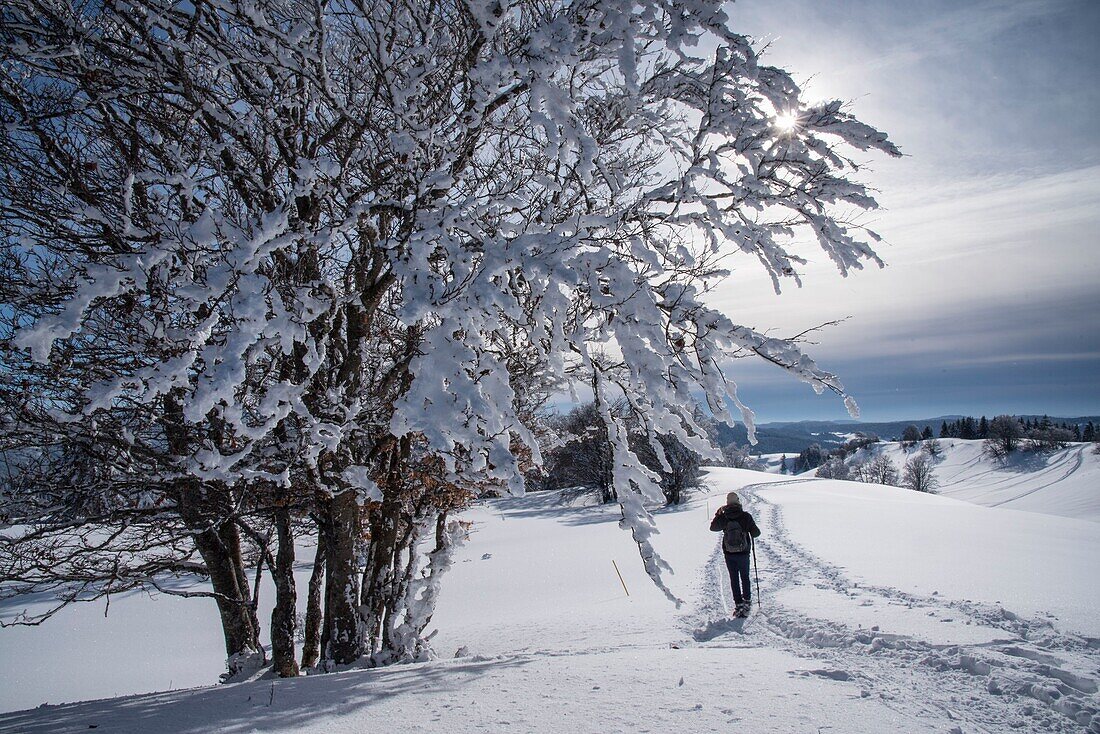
1034	679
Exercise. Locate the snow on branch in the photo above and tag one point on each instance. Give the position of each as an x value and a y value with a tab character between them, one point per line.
272	247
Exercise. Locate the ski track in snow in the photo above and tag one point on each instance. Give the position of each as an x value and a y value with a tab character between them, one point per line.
975	477
1079	459
1031	678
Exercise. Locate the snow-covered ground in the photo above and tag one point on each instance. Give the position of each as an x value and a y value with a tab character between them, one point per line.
881	610
1065	482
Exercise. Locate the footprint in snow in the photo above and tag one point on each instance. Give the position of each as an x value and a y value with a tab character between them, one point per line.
717	628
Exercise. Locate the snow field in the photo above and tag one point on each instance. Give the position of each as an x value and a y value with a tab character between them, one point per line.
656	689
139	644
965	645
1037	564
882	610
556	645
1065	482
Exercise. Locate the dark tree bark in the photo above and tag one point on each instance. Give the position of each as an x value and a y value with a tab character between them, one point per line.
233	599
341	637
286	596
403	566
311	650
216	538
231	540
385	529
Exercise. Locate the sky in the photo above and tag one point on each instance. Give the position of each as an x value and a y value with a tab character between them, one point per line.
990	300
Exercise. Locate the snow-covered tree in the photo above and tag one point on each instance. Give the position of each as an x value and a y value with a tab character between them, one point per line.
738	457
933	447
855	444
582	460
273	261
1049	439
679	468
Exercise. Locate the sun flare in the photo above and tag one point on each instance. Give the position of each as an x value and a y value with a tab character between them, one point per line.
786	122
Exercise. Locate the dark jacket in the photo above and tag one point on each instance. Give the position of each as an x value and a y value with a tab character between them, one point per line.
732	513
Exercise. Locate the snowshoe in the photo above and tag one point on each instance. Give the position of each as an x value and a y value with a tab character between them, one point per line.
742	610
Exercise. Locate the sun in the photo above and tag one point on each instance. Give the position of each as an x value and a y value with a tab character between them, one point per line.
786	122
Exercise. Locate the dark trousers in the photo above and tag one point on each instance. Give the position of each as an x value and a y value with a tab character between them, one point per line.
738	565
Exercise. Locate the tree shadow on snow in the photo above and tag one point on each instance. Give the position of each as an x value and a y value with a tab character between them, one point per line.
39	602
1026	462
263	705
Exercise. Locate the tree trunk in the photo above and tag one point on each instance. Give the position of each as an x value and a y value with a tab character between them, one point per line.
219	545
385	526
202	509
230	538
234	604
311	650
404	553
342	637
286	599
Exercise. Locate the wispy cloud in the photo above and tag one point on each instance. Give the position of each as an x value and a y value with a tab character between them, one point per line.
992	221
1030	357
946	33
1004	245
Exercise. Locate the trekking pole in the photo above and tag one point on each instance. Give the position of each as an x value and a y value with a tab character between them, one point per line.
756	570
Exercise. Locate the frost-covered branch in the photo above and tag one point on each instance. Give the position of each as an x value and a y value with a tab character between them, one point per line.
273	260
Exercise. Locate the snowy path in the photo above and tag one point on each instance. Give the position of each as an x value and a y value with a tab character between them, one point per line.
982	665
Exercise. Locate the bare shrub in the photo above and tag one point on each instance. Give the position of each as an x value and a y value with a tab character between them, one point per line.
879	470
918	474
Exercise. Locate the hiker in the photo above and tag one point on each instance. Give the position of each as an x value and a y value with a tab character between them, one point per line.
738	530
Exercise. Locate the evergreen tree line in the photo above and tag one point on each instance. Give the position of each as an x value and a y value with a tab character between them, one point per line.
971	429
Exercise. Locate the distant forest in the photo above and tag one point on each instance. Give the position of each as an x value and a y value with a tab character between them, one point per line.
967	427
793	437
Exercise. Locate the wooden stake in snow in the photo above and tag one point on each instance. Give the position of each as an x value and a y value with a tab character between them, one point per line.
620	576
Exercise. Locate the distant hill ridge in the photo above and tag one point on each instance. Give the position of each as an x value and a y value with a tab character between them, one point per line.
792	437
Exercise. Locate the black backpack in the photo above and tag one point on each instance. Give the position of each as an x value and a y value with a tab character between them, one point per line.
735	539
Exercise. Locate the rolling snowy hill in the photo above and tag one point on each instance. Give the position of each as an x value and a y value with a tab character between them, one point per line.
881	610
1065	482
